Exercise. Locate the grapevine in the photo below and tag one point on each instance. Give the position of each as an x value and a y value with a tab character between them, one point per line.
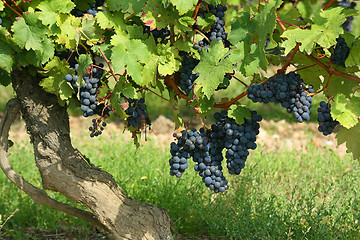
105	58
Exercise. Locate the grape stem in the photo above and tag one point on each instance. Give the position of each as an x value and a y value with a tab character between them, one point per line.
329	4
169	81
238	79
280	22
290	24
197	9
17	6
202	34
12	9
109	65
325	88
287	63
333	71
148	89
299	69
231	102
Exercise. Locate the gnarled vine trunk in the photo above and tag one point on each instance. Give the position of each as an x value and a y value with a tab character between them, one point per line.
64	169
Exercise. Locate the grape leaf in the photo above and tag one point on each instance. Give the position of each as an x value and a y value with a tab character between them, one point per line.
133	7
68	26
6	57
354	56
239	113
184	6
342	85
2	6
168	64
30	33
55	82
351	138
111	20
84	62
131	53
342	112
163	16
205	105
90	29
212	67
324	31
51	8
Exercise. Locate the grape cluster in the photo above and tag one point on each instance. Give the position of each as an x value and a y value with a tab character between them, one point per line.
326	122
341	52
206	146
187	78
289	90
181	152
217	31
93	9
136	111
158	34
351	5
97	127
89	91
238	139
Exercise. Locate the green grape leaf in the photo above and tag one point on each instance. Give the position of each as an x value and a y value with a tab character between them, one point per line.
342	111
133	7
84	62
205	105
6	57
212	68
51	8
242	29
184	23
107	20
354	56
130	53
83	5
163	16
90	29
239	113
342	85
68	26
116	100
55	82
30	33
168	64
324	31
351	138
184	6
2	6
266	23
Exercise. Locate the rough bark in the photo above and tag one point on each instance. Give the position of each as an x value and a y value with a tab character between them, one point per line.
64	169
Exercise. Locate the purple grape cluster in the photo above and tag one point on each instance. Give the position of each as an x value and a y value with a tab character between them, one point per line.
206	146
341	52
97	127
289	90
217	31
158	34
351	5
187	78
89	91
326	122
136	111
93	9
1	21
238	139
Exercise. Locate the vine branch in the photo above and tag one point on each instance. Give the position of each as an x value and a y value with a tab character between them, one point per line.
39	196
287	63
334	71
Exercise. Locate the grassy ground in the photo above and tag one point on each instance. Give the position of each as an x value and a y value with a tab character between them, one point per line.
288	195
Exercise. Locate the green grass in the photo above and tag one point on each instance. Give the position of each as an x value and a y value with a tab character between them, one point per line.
288	195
